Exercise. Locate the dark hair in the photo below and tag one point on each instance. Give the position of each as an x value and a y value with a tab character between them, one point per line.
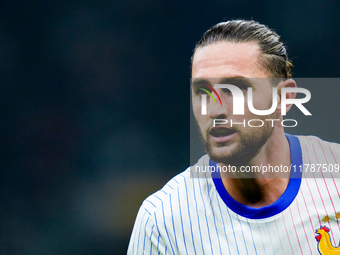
275	58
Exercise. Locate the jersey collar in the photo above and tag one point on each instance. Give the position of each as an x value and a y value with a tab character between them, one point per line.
278	206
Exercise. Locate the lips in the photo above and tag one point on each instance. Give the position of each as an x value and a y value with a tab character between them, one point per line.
221	134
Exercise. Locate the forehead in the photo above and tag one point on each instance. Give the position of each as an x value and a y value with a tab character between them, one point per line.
228	59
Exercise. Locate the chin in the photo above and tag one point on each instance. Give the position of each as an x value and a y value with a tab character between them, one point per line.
225	154
235	155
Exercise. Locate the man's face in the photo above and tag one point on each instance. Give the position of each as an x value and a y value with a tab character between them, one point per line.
236	64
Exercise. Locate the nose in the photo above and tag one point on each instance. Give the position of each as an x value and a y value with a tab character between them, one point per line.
218	110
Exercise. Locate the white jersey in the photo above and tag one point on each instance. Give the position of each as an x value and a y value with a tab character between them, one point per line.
197	215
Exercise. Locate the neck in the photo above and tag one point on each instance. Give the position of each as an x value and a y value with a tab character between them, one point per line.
261	189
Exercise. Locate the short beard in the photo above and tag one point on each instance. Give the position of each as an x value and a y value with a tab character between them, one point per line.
249	147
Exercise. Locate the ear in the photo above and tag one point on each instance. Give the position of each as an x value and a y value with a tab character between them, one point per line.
289	83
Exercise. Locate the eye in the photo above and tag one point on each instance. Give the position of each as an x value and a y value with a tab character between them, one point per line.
242	87
202	90
241	84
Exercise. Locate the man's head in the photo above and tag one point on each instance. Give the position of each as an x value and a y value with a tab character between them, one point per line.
250	55
274	55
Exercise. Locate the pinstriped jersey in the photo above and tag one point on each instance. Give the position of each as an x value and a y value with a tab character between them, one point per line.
197	216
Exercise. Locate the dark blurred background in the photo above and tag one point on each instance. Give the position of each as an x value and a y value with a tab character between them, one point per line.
96	107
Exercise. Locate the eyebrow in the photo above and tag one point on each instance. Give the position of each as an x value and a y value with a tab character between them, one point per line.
236	80
200	82
224	80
